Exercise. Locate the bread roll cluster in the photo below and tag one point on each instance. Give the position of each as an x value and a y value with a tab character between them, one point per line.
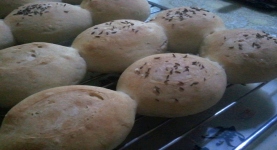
187	30
105	46
59	22
247	55
127	7
49	114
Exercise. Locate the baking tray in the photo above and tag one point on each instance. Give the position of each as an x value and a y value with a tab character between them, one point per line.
245	118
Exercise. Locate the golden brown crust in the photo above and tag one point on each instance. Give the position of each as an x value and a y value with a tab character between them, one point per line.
6	37
173	85
247	55
51	22
69	117
29	68
113	46
108	10
186	27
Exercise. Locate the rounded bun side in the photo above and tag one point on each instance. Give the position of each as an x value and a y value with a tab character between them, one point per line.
173	85
6	36
247	55
69	117
186	27
29	68
113	46
108	10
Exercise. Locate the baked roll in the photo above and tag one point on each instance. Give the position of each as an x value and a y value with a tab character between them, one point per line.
173	84
50	22
29	68
70	118
7	6
112	46
186	27
247	55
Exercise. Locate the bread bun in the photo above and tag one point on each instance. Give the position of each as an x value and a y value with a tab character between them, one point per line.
30	68
6	37
173	85
51	22
108	10
7	6
113	46
186	27
69	118
247	55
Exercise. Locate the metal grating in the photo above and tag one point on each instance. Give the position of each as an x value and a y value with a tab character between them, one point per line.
234	123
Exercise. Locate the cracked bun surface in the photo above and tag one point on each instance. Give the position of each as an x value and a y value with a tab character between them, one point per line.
29	68
173	84
108	10
51	22
247	55
186	27
113	46
69	117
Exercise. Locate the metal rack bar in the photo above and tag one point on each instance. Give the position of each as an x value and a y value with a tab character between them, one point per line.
257	134
210	118
142	135
157	5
